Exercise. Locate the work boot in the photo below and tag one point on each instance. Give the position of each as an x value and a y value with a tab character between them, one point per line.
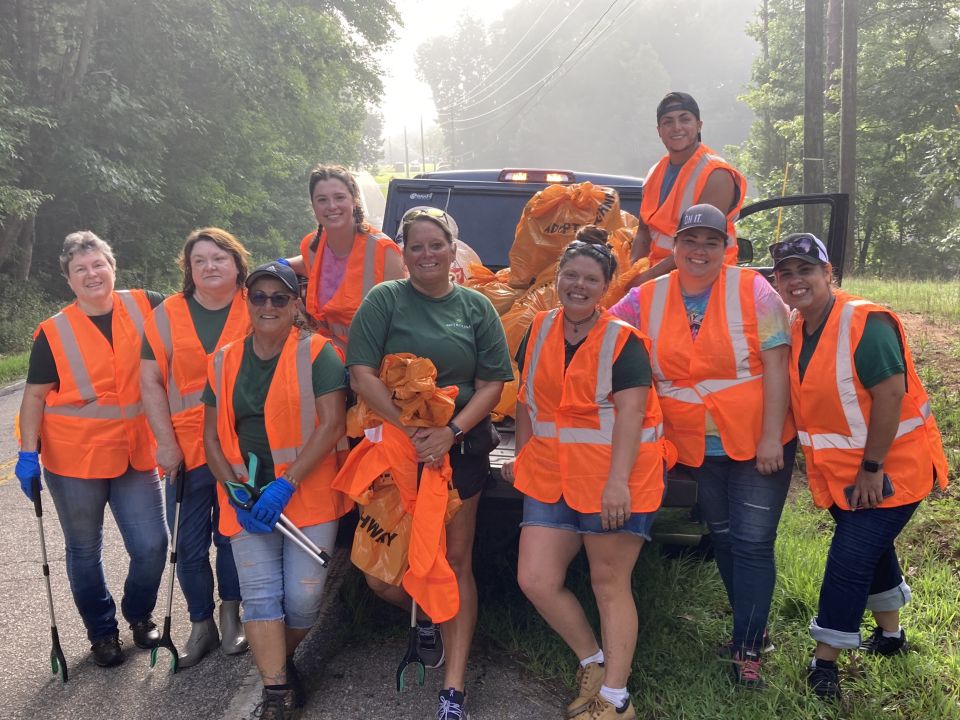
277	705
107	651
145	633
232	639
589	680
203	638
600	708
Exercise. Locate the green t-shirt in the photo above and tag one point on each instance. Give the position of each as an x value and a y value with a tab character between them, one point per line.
878	355
631	368
460	332
209	325
250	395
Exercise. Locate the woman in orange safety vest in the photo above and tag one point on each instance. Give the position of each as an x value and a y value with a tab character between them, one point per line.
179	335
591	466
82	411
344	257
872	448
278	396
720	347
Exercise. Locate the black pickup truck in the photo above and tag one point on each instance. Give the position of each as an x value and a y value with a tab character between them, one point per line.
487	204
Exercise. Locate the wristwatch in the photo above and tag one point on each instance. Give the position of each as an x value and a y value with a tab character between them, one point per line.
457	432
871	466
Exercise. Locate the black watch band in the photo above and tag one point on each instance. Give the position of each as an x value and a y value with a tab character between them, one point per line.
457	432
871	466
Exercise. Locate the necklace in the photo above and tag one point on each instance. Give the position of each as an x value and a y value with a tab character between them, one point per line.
577	323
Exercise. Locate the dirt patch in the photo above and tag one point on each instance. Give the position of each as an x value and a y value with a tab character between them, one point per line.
934	343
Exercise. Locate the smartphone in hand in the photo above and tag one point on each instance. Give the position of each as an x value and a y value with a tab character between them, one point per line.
885	492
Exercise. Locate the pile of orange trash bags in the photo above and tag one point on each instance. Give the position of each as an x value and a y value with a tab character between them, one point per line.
424	490
549	223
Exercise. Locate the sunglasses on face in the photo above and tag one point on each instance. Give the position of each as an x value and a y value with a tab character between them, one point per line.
801	245
278	300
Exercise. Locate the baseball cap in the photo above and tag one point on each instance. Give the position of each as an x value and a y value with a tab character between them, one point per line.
440	217
278	271
677	101
802	246
703	215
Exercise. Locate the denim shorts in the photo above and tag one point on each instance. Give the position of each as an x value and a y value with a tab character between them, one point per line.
561	516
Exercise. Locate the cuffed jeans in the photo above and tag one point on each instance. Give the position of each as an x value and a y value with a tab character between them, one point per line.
199	515
862	573
136	501
742	509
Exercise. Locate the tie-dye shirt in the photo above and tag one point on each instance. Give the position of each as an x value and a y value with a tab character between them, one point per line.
773	328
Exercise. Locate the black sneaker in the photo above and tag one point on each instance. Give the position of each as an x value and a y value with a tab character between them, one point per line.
107	652
277	705
824	682
145	634
296	684
451	705
878	644
430	645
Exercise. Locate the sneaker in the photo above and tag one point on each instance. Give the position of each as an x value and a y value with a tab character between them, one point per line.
430	645
277	705
878	644
726	651
589	680
746	670
145	634
451	706
600	708
107	652
824	682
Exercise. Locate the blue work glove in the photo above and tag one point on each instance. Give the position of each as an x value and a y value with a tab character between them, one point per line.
273	499
28	468
283	261
249	523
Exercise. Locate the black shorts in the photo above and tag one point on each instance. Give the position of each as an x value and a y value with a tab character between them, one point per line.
470	472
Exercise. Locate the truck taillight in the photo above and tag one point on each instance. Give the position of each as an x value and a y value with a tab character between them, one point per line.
537	176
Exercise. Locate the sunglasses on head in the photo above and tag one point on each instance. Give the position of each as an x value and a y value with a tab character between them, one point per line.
805	244
278	300
604	249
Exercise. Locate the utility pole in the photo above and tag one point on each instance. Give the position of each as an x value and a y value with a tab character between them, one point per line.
848	124
813	89
406	152
423	152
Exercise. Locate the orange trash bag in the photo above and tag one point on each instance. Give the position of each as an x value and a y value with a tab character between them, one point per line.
518	319
620	284
382	537
494	286
507	406
550	221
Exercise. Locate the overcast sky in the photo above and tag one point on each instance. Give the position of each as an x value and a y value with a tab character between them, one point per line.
406	98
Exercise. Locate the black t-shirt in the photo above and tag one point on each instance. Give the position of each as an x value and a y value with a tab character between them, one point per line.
43	369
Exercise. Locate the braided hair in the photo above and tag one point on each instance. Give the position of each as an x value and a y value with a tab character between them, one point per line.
338	172
591	242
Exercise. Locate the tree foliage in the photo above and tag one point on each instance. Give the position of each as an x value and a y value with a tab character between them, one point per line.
144	120
908	146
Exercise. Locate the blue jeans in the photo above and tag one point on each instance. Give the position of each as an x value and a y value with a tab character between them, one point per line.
742	509
136	501
199	515
278	580
862	573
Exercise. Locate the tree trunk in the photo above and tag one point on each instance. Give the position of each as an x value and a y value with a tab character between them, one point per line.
834	35
27	236
29	56
813	112
8	236
848	122
83	51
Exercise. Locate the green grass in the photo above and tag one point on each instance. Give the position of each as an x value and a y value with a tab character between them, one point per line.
13	367
932	298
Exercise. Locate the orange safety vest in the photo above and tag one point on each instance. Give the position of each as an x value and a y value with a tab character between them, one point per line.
93	423
832	410
290	417
572	416
365	268
662	220
170	332
721	372
385	448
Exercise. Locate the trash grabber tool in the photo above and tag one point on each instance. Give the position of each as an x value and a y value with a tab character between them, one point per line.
165	640
246	495
412	656
58	663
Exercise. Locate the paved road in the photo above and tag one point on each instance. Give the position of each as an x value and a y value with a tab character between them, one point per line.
346	679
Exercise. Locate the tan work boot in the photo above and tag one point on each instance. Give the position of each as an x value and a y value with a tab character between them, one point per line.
589	680
600	709
232	639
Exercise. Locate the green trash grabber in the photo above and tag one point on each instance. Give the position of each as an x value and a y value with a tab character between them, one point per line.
58	663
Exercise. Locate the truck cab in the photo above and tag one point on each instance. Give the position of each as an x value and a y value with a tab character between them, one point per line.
487	205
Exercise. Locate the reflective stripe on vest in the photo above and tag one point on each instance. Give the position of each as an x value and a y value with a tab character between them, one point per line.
540	428
177	400
665	241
